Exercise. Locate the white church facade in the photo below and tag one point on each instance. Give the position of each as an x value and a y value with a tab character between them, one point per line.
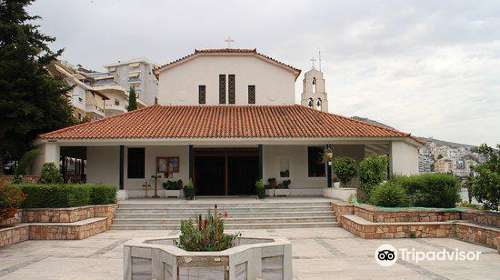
226	118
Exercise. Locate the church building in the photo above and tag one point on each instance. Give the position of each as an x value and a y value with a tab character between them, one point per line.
226	118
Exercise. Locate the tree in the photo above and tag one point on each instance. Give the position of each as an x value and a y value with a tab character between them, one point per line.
372	171
345	169
486	185
31	100
132	100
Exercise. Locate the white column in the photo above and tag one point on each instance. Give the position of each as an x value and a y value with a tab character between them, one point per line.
404	158
50	152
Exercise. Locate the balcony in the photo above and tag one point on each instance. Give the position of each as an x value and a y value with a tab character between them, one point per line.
94	111
112	109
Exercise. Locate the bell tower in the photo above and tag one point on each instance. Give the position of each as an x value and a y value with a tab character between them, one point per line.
313	93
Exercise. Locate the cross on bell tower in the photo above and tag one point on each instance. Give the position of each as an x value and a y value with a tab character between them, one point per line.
313	60
314	94
229	41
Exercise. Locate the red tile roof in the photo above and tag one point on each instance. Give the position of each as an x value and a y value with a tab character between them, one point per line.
226	51
225	121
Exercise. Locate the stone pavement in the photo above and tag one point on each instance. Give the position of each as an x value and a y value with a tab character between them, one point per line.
323	253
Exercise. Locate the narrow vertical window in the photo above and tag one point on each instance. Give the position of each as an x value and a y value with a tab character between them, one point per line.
136	163
251	94
232	89
201	94
222	89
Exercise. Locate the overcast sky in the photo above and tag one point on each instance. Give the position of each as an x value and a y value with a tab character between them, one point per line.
431	68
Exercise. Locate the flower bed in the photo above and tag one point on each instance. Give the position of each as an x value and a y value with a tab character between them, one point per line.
251	258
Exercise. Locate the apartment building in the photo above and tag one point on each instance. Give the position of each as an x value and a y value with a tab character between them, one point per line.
137	73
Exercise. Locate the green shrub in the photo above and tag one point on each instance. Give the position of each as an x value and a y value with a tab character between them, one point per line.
11	198
431	190
486	185
60	196
345	169
372	172
389	195
50	174
102	194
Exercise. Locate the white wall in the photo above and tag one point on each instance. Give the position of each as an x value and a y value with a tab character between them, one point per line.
301	183
404	158
103	165
49	152
179	85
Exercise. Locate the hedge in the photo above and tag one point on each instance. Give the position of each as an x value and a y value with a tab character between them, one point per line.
389	194
60	196
430	190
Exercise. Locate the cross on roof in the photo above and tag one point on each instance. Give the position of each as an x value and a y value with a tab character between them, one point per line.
313	60
229	41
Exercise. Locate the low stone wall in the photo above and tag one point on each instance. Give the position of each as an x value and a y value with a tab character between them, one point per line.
368	222
14	235
370	230
69	215
58	223
482	217
28	179
375	215
68	231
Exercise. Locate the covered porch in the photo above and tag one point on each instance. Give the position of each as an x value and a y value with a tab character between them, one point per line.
222	168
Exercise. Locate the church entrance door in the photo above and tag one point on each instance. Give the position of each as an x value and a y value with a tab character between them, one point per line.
225	171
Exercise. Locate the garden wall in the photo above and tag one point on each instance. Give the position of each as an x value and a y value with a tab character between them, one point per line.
369	222
58	223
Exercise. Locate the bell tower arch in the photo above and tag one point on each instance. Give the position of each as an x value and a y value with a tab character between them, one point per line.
314	93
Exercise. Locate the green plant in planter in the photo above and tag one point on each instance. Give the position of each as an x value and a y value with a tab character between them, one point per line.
272	181
261	189
50	174
345	169
173	185
202	234
284	185
189	190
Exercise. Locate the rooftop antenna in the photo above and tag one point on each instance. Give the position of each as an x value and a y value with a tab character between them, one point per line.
319	57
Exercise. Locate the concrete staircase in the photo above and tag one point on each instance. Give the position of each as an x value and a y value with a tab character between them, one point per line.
242	215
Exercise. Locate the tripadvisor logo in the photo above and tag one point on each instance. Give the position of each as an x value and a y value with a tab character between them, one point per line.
387	255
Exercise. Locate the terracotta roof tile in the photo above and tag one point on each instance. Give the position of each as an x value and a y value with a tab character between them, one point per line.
224	121
215	51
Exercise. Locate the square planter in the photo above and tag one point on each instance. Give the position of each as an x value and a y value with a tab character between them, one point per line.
172	193
270	192
282	192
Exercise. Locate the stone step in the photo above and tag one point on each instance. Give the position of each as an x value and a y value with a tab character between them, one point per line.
229	226
230	210
121	214
222	206
260	220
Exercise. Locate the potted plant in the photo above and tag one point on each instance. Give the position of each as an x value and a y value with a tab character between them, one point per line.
272	181
345	169
261	189
173	188
283	188
189	190
269	190
336	182
285	173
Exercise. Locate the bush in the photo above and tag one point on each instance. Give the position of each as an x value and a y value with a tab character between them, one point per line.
102	194
486	185
50	174
431	190
372	172
344	168
11	198
389	194
60	196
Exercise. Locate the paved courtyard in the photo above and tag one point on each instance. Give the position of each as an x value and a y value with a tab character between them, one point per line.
330	253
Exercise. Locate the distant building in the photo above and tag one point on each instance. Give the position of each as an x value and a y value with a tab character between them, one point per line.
137	73
443	165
